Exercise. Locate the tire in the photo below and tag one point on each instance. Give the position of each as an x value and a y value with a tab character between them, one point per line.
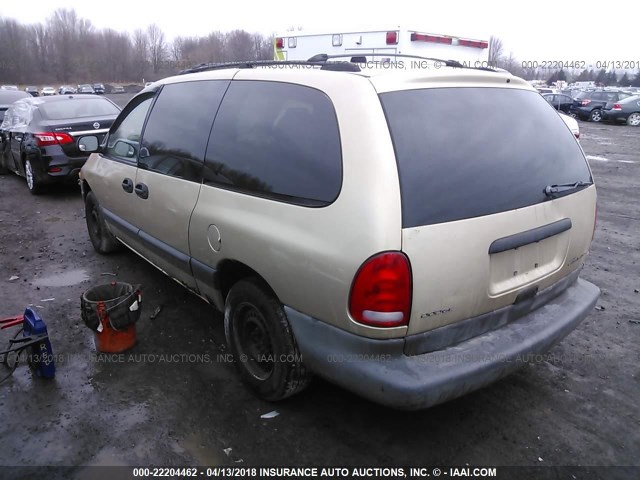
633	120
596	115
102	239
3	170
34	184
262	343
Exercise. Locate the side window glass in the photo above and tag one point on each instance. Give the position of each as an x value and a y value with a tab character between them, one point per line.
176	135
124	141
276	140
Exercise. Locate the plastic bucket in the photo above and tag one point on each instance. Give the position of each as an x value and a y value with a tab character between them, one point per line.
111	312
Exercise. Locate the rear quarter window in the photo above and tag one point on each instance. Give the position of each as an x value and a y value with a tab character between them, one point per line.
469	152
276	140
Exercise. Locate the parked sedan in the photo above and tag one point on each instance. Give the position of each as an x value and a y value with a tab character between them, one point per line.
40	136
66	90
572	124
560	102
626	110
98	88
33	91
7	97
9	87
47	91
85	88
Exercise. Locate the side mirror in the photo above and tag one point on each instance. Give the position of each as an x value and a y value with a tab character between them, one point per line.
88	144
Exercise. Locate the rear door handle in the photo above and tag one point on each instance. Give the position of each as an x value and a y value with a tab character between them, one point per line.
127	185
142	190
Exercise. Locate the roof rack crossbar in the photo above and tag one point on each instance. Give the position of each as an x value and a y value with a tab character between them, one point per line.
323	60
348	66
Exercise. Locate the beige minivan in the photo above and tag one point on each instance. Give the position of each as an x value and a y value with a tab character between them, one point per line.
409	235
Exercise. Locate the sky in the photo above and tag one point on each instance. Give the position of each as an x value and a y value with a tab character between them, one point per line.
532	31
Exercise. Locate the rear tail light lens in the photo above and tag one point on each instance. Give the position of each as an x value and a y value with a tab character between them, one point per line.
54	170
616	106
52	138
381	291
585	102
577	134
279	43
392	38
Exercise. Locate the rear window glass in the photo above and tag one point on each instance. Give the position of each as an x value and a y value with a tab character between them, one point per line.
77	108
469	152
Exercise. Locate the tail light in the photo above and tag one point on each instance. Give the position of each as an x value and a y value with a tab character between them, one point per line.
577	135
381	291
392	38
616	106
52	138
279	43
585	102
420	37
473	43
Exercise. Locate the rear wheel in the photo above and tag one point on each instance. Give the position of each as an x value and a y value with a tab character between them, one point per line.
634	119
102	239
33	182
3	170
262	343
596	115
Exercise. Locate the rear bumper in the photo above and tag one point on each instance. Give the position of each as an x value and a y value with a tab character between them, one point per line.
380	371
55	166
614	116
581	112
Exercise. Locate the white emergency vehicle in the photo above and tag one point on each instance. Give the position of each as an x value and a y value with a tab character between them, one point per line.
301	45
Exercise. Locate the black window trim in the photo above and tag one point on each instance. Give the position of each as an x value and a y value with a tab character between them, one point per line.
124	114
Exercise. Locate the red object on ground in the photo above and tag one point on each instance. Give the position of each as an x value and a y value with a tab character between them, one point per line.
11	321
110	340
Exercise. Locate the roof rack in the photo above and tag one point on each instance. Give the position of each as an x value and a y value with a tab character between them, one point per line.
322	60
323	57
339	66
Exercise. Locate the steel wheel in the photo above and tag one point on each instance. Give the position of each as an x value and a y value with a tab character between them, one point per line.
253	342
262	343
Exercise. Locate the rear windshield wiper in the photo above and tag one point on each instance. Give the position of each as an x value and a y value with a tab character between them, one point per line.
550	190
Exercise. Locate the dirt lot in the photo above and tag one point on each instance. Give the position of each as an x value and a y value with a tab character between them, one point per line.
174	400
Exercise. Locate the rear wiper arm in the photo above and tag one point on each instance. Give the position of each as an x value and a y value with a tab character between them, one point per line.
550	190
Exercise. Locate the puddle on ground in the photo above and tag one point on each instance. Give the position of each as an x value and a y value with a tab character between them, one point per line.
64	279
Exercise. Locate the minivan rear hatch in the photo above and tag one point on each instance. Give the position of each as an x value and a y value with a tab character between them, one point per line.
497	198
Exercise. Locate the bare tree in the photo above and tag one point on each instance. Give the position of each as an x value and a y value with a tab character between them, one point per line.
495	51
157	47
240	46
140	52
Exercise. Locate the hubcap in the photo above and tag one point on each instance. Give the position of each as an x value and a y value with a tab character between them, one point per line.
253	341
634	119
29	172
595	116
